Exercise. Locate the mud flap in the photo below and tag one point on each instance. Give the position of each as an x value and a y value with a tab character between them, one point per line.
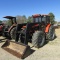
17	49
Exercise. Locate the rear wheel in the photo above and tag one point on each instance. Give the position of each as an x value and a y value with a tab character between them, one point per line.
51	34
22	35
4	34
38	39
13	33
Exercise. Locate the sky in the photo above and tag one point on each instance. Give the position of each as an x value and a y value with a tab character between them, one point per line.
29	7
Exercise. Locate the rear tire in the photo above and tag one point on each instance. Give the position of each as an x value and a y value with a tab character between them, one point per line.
38	39
13	33
51	34
3	34
22	35
5	29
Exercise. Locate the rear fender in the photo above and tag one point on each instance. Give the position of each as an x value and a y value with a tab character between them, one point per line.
47	28
11	27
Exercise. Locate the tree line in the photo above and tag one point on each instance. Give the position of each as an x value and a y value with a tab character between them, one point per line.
24	19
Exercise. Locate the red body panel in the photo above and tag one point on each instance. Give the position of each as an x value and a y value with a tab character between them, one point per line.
36	15
32	26
1	27
35	25
47	28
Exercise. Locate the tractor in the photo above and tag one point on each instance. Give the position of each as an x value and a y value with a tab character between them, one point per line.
36	32
9	31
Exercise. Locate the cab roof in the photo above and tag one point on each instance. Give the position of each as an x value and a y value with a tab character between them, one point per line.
37	15
44	15
9	17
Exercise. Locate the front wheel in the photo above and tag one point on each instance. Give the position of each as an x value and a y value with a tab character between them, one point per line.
51	34
38	39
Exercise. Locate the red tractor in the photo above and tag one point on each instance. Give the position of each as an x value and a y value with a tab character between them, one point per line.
36	32
9	31
1	28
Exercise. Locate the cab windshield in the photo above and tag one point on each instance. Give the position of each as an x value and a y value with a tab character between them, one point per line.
43	19
38	19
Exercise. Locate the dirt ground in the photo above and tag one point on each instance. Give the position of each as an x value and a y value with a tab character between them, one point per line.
50	51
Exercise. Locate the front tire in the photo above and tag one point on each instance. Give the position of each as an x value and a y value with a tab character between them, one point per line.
38	39
51	34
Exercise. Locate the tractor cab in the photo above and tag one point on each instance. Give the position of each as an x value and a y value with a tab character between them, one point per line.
45	19
41	18
36	18
12	19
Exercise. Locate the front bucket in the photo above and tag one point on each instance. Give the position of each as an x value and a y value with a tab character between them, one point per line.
17	49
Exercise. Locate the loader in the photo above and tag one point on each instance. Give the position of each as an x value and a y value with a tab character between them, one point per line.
35	32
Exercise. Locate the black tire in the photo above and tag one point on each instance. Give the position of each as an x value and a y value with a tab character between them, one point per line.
51	34
22	35
38	39
5	29
3	34
13	33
